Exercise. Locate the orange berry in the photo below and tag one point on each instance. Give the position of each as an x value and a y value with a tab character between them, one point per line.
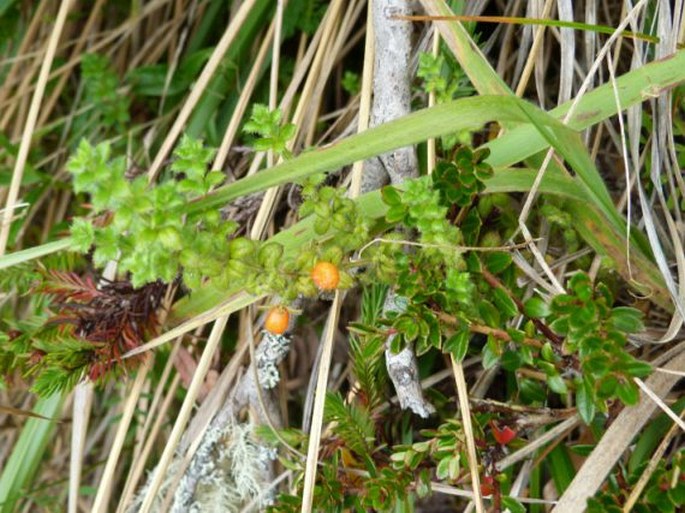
277	320
326	276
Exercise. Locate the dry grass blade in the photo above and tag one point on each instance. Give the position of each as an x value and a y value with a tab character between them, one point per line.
199	87
184	414
463	396
651	467
8	410
107	481
319	401
659	402
83	400
30	124
365	95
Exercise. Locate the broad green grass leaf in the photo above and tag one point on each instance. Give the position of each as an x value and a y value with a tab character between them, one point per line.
27	452
561	468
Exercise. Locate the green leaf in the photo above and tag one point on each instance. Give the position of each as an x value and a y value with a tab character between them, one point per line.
489	313
547	352
513	505
28	452
170	238
454	467
536	307
458	345
582	449
511	360
82	235
491	353
214	178
628	392
270	254
395	214
505	304
585	401
582	286
557	384
626	319
561	467
497	261
391	196
442	471
531	391
636	368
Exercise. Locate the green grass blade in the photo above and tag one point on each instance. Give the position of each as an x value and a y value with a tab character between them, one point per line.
32	253
223	84
599	104
28	452
652	435
561	467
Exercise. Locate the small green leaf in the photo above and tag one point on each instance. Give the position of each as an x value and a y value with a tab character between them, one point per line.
505	304
491	353
214	178
442	472
582	286
497	261
626	319
321	225
397	344
489	313
458	345
536	307
557	384
269	254
547	352
241	248
582	449
395	214
391	196
585	402
531	391
511	360
511	504
454	467
82	234
636	368
628	393
170	238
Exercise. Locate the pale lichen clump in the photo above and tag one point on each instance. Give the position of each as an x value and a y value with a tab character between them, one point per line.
232	468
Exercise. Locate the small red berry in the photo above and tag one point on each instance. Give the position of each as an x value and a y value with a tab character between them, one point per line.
325	276
277	320
487	486
503	435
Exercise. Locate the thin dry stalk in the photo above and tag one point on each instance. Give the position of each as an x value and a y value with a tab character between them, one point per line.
199	87
184	413
651	467
464	408
30	125
319	401
107	481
